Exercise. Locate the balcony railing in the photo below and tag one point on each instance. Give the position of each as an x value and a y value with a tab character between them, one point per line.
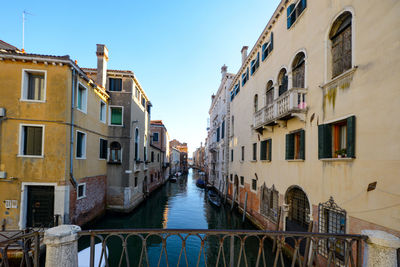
291	103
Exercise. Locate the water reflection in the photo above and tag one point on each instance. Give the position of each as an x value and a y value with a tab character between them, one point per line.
180	205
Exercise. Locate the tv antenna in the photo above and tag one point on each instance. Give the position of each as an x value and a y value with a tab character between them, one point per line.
24	13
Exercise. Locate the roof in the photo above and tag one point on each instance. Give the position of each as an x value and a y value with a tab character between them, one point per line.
108	70
7	46
159	122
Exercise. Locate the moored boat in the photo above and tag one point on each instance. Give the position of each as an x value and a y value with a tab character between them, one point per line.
201	183
214	198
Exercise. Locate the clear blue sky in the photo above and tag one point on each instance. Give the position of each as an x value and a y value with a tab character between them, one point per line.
175	48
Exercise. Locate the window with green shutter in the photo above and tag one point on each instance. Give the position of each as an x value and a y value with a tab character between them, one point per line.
255	151
294	11
265	149
103	149
116	115
337	139
295	145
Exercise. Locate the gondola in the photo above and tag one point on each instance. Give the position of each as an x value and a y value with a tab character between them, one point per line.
200	183
214	198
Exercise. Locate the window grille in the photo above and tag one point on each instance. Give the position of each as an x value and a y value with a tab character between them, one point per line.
299	209
269	202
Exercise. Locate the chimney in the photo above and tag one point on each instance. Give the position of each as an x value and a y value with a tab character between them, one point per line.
244	53
102	58
223	71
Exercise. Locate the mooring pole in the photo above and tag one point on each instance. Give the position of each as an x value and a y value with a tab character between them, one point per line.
233	198
245	206
226	192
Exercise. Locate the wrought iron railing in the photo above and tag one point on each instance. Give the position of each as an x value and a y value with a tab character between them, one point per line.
23	250
165	247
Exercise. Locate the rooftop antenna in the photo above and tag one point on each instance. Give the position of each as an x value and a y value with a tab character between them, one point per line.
23	28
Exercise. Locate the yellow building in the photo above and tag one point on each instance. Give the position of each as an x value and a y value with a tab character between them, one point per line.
313	115
53	141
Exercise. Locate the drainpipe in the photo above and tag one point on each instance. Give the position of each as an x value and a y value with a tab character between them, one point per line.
71	154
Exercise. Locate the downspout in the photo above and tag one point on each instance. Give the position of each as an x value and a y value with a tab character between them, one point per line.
71	150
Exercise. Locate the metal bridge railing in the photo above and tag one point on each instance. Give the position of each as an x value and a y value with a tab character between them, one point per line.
165	247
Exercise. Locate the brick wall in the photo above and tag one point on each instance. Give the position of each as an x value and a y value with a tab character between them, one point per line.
86	209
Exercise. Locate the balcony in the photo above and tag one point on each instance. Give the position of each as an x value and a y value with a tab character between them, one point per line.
290	104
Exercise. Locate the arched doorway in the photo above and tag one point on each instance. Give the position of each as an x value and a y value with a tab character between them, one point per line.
298	218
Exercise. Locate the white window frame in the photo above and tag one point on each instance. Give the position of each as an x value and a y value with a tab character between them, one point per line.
84	145
251	186
84	191
24	85
84	103
104	120
21	140
240	184
107	148
109	115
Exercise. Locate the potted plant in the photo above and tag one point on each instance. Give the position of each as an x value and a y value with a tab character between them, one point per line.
341	153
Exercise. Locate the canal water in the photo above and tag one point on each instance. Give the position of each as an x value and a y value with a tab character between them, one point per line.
180	205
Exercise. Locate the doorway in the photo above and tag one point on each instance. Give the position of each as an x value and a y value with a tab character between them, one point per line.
40	206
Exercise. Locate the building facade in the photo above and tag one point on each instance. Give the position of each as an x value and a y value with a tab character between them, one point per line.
53	130
304	145
128	130
217	144
160	140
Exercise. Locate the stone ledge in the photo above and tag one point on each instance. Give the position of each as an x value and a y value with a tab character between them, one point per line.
61	234
382	238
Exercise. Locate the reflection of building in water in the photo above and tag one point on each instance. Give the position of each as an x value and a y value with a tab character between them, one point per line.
165	216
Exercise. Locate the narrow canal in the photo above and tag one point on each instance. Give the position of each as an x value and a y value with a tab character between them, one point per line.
180	205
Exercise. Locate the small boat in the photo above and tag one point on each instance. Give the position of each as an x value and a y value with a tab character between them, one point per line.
173	180
214	198
201	183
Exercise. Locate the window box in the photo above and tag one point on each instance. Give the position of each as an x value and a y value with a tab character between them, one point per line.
337	137
33	85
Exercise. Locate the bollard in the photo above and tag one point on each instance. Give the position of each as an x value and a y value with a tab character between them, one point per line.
380	249
62	246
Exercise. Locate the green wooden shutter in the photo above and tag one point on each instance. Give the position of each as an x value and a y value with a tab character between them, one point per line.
324	141
271	45
116	116
270	149
289	146
302	144
263	150
351	137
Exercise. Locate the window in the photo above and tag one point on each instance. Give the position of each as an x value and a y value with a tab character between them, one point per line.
115	152
256	103
103	107
151	178
232	95
116	115
295	145
80	145
158	157
31	140
223	129
282	81
265	149
254	184
255	63
155	137
337	140
145	153
267	47
137	144
233	124
152	156
245	77
103	149
137	93
136	179
231	178
269	99
115	84
340	36
236	89
242	153
218	134
34	85
81	192
298	69
294	11
81	98
241	180
143	101
231	154
254	151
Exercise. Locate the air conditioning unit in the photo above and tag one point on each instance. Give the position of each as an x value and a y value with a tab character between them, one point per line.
3	175
2	112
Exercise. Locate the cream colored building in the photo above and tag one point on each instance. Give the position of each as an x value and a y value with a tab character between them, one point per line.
217	145
315	120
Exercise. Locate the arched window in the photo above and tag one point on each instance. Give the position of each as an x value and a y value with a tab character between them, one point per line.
256	103
115	152
298	70
299	210
137	144
282	81
340	36
269	94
